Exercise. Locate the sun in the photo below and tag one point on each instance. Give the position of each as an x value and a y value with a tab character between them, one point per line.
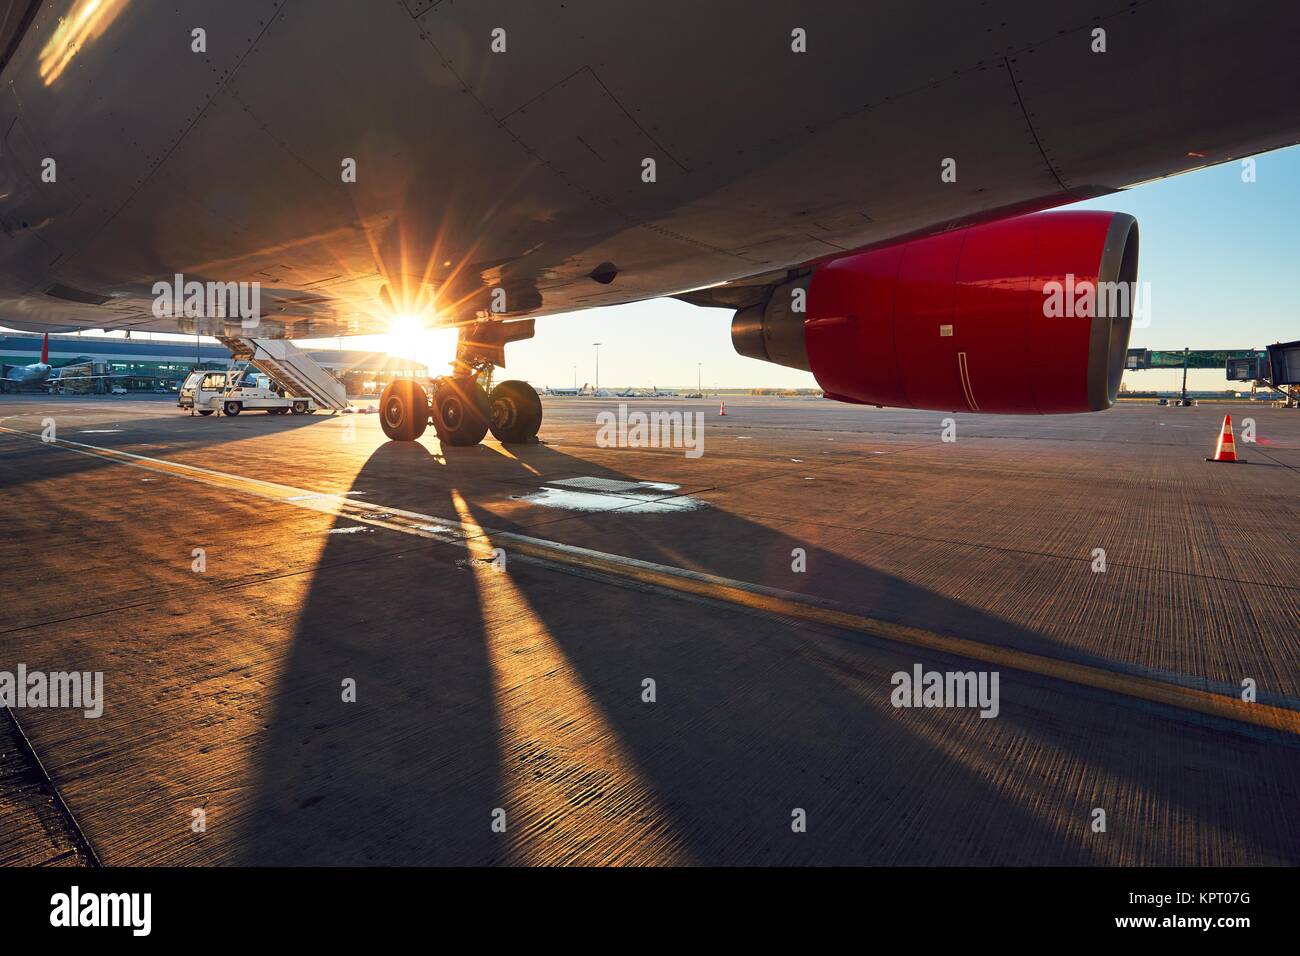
409	338
405	336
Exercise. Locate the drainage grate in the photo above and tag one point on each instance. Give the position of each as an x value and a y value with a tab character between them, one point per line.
598	484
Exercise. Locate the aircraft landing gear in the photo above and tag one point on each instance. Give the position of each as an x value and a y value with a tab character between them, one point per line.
404	410
516	412
460	410
459	406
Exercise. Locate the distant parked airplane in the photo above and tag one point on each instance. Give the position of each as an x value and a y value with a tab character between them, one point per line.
38	374
13	377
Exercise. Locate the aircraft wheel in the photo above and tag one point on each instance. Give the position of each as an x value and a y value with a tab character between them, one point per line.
234	408
204	411
516	412
404	410
461	411
300	408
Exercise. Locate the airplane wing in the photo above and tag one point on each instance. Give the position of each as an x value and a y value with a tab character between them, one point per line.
595	174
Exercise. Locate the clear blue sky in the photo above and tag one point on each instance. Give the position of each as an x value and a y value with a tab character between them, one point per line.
1222	257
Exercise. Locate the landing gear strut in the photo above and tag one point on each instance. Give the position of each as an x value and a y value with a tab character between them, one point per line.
459	405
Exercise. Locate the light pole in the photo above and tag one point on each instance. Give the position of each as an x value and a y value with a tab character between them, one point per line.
597	344
699	378
575	378
1186	355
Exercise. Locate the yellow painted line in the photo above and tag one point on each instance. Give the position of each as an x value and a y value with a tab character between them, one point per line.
761	599
712	587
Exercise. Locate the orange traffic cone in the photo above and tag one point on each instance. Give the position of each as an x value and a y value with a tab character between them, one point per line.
1227	447
723	409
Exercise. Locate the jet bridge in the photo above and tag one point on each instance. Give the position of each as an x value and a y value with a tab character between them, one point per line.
1277	367
290	368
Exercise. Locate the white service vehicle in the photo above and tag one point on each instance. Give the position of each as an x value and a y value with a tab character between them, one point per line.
237	390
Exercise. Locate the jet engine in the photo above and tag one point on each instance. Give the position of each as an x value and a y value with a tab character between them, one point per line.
1028	315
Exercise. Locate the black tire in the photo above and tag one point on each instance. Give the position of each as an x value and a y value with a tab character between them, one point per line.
300	408
204	411
461	411
404	410
516	412
234	408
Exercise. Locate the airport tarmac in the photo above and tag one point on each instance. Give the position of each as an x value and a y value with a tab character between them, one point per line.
488	694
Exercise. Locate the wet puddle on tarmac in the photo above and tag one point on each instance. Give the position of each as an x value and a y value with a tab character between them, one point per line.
608	494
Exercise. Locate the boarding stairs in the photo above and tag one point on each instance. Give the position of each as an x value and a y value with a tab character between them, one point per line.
290	368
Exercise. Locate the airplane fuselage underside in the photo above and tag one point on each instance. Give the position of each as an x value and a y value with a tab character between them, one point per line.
525	170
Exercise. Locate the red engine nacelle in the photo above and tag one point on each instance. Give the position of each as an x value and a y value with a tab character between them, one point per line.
1029	315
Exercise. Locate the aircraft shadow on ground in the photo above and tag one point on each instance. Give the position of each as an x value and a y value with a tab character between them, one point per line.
752	721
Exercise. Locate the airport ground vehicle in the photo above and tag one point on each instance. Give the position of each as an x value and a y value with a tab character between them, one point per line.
117	390
237	390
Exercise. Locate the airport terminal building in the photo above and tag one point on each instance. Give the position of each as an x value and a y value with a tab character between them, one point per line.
153	364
